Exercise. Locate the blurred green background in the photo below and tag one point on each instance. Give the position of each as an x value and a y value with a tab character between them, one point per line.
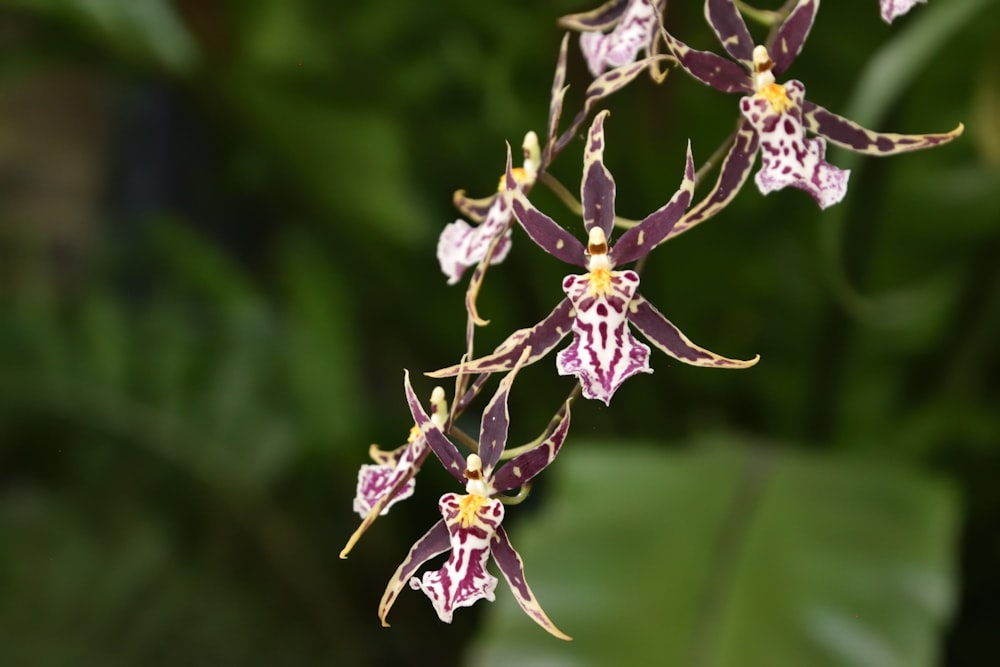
217	225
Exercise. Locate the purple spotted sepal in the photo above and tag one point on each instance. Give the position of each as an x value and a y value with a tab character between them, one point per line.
470	529
631	26
391	478
893	8
788	158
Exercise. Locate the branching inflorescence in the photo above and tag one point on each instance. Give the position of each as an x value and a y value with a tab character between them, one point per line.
603	304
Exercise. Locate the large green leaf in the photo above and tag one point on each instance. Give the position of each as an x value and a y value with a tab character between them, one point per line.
731	556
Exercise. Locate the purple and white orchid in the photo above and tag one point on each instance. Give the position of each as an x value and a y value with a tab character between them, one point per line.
391	478
601	303
470	529
613	34
775	116
462	245
893	8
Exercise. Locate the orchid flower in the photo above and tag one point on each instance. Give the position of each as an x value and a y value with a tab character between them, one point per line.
601	303
631	26
775	116
893	8
470	528
391	478
461	245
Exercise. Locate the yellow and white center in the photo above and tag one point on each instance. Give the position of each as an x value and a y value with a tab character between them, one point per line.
415	433
599	264
468	508
775	94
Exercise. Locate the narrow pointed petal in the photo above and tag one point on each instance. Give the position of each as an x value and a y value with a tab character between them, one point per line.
788	158
664	335
850	135
656	227
463	580
792	35
893	8
547	233
512	568
434	542
559	88
597	190
496	420
633	33
729	27
541	338
449	456
732	175
604	353
524	467
473	209
710	68
601	18
601	87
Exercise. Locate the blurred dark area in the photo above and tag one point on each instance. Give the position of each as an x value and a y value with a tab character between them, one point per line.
217	230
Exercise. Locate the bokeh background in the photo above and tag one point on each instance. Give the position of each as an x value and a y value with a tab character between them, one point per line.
217	229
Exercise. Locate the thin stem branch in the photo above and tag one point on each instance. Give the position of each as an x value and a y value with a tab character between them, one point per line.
765	17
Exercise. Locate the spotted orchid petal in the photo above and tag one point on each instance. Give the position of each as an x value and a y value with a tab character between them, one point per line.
461	245
792	35
472	521
601	18
512	568
709	68
597	189
434	542
660	332
893	8
735	168
725	19
850	135
541	338
603	353
524	467
788	158
634	32
547	233
655	227
496	420
383	485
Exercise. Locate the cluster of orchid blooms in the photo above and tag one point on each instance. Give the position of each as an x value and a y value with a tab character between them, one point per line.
603	304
